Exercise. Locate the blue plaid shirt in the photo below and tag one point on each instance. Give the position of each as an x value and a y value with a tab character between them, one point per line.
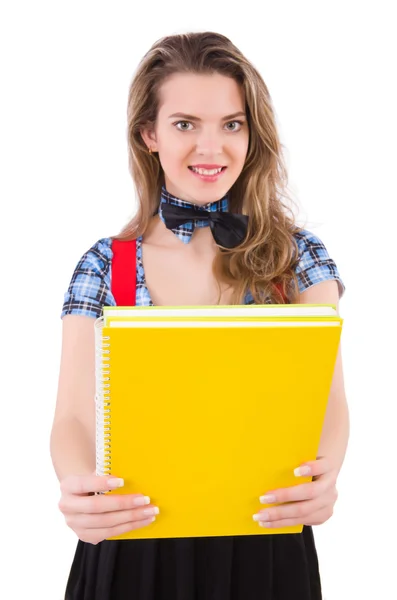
90	286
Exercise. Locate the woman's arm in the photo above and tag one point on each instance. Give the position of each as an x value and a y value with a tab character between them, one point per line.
72	443
71	448
336	428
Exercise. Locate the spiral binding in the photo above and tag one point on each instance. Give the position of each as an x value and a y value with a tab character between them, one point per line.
102	400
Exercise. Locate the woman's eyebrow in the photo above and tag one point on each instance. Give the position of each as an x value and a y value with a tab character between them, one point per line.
192	118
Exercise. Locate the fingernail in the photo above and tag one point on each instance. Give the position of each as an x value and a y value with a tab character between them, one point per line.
154	510
142	500
302	471
267	499
115	482
263	516
150	519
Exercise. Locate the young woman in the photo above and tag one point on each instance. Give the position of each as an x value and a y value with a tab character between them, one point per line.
211	228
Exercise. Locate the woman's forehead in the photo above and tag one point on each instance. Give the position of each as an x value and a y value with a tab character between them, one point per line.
201	96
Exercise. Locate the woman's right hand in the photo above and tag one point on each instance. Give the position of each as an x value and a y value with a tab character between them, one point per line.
96	517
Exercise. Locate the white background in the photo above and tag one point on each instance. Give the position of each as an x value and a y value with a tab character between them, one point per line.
65	72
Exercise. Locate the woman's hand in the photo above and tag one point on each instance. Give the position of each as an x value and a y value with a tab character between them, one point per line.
97	517
307	504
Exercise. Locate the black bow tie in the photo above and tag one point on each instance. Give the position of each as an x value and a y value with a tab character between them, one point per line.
228	230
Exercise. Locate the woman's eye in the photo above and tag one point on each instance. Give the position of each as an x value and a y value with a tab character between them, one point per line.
188	123
239	122
179	122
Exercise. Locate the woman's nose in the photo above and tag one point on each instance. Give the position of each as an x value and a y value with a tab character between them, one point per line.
209	140
209	144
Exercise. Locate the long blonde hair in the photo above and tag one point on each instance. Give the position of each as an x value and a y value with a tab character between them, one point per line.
265	262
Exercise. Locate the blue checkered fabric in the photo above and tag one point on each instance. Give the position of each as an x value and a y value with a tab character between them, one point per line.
89	289
185	231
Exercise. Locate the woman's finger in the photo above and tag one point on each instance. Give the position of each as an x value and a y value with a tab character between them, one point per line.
94	536
111	519
293	510
101	503
320	466
85	484
316	518
295	493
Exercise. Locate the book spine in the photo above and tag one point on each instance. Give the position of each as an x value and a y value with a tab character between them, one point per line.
102	400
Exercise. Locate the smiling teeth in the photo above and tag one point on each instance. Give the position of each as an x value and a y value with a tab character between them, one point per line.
206	171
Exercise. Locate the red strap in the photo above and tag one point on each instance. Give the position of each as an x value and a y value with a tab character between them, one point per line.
123	282
280	289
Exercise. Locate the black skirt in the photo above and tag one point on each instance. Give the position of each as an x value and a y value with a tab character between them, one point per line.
262	567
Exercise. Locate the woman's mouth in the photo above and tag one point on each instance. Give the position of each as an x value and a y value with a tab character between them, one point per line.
207	174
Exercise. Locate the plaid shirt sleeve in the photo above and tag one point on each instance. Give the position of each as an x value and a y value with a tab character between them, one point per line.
89	289
315	265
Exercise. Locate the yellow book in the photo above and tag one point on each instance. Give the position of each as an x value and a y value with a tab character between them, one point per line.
206	416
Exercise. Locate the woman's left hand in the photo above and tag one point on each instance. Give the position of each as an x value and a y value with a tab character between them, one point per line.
306	504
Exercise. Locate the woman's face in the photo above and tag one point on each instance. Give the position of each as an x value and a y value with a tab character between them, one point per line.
215	136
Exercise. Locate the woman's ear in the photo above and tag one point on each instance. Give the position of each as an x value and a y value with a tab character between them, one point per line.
149	138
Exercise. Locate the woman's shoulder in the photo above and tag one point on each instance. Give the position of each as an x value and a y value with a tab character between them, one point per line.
305	238
100	253
315	264
89	287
